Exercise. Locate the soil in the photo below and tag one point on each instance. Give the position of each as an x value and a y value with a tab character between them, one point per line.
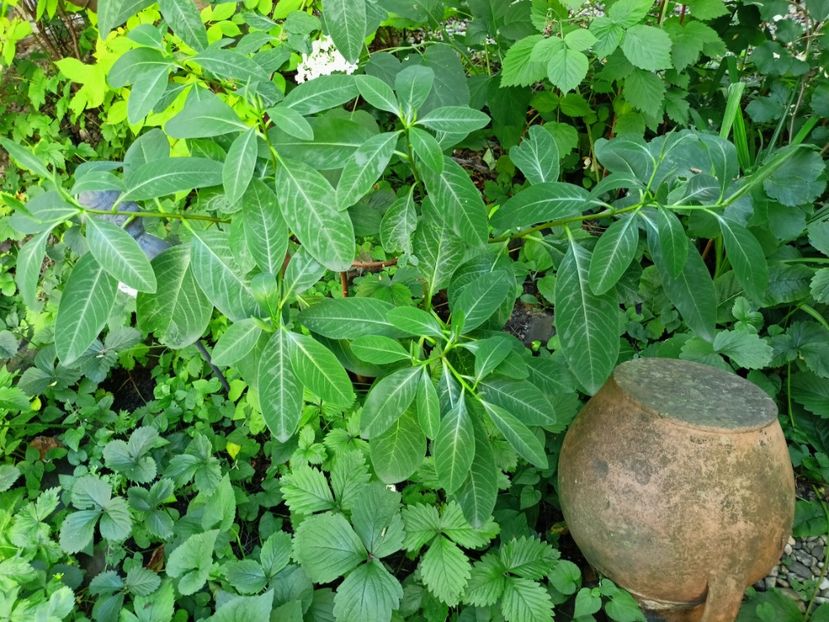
131	388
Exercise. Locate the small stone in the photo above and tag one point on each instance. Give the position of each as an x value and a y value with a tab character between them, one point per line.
804	558
824	585
800	570
788	549
792	541
774	571
770	582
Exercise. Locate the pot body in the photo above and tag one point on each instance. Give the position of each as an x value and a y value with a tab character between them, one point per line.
675	482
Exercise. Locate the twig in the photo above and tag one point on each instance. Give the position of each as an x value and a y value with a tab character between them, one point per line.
373	265
206	356
344	283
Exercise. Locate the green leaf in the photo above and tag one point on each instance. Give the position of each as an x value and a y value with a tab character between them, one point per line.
746	257
379	350
25	158
612	254
454	447
84	308
427	149
239	165
588	602
266	233
29	263
302	272
185	21
369	593
219	275
422	525
318	369
146	92
525	601
428	406
458	200
819	236
376	519
537	156
673	243
242	608
626	13
190	562
178	312
588	325
399	451
236	342
519	436
523	399
647	47
291	122
349	318
387	400
113	13
8	476
800	180
692	291
454	120
116	524
321	94
142	582
276	553
819	286
50	208
170	175
327	547
364	167
246	576
346	22
487	582
541	203
309	205
580	39
280	393
439	251
306	490
445	571
204	117
119	254
747	350
413	86
567	68
645	91
77	530
520	68
483	297
230	65
399	224
528	557
414	321
489	353
377	93
137	64
479	492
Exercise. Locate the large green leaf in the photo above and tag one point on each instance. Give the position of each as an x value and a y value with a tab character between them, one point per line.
134	65
84	308
427	149
238	167
647	47
458	201
291	122
613	253
147	90
178	312
414	321
309	205
477	495
302	272
280	393
185	21
526	600
521	398
379	350
588	325
377	93
399	451
219	275
537	156
365	166
190	562
481	298
387	400
440	252
567	68
746	257
349	318
413	85
236	342
523	441
230	65
454	447
346	23
541	203
445	570
321	94
369	593
119	254
454	119
318	369
240	608
203	117
673	242
520	67
113	13
327	547
29	262
399	224
265	230
170	175
428	406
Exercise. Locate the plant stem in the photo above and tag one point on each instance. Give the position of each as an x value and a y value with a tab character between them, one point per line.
202	217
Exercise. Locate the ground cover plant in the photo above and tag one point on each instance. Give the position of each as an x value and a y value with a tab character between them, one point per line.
297	334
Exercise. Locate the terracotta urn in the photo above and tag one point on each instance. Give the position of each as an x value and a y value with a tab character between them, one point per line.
675	482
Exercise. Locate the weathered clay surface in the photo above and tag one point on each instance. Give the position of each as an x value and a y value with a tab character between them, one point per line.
676	483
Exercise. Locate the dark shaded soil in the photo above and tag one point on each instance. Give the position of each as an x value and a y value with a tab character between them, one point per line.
131	388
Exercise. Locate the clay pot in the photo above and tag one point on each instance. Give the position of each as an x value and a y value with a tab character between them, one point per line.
676	483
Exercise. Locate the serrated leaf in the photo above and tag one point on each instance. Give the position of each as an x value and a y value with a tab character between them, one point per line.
316	368
541	203
454	448
327	547
190	562
142	582
265	230
369	593
219	275
645	91
238	167
445	571
528	557
306	490
819	285
486	582
647	47
364	167
747	350
84	308
612	254
376	519
118	253
800	180
280	393
77	530
519	436
178	312
626	13
115	524
567	68
525	601
519	67
387	400
309	205
537	156
246	576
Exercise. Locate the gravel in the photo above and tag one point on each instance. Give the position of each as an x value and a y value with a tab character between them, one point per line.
800	571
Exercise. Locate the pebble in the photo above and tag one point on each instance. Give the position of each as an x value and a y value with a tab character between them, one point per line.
802	563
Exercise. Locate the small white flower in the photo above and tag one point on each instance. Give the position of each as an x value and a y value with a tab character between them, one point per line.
129	291
323	60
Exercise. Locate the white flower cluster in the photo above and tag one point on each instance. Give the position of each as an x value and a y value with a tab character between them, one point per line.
323	60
